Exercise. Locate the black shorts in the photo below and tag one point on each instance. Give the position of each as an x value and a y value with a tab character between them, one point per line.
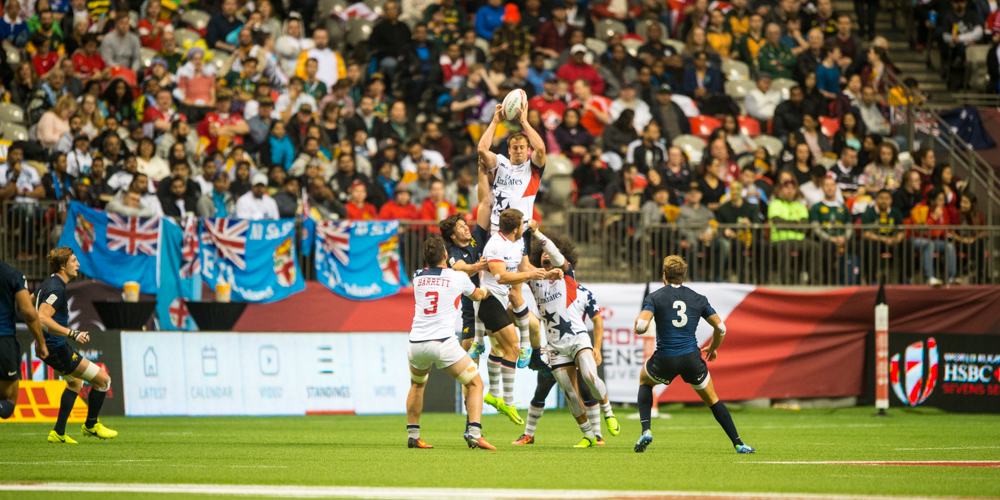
10	358
493	314
468	319
63	359
691	367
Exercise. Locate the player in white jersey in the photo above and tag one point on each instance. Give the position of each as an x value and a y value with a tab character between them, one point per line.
515	183
437	292
505	257
564	304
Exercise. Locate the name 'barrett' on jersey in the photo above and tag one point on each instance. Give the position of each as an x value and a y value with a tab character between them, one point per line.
677	310
564	305
514	186
438	293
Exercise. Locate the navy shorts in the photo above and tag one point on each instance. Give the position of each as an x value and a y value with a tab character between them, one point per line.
691	367
63	359
10	358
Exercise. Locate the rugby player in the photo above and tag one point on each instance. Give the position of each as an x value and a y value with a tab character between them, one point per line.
515	183
14	293
677	310
505	256
563	304
437	289
53	311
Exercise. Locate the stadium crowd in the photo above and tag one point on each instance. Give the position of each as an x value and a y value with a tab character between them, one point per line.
265	114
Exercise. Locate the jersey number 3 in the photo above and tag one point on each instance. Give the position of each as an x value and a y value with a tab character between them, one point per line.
682	318
433	309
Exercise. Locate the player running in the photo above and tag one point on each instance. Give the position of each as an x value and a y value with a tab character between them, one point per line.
564	304
504	254
53	311
677	310
515	183
432	341
14	293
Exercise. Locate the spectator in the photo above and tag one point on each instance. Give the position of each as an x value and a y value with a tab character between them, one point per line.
788	213
819	144
910	195
256	204
824	19
592	181
435	207
462	193
849	45
849	133
152	26
625	191
328	67
957	28
718	149
548	104
553	36
221	126
98	192
240	181
357	208
710	185
696	17
78	159
13	29
399	207
196	87
45	58
121	47
748	45
701	81
658	210
676	174
489	17
180	133
762	101
617	72
830	220
511	40
697	233
935	212
287	199
130	204
647	152
738	18
801	164
625	12
871	113
620	134
970	242
323	204
57	183
208	168
578	69
944	179
812	57
788	114
25	84
391	40
573	139
155	167
311	156
738	141
756	188
282	152
455	69
874	73
847	172
55	122
884	172
365	119
345	177
792	36
416	154
925	164
774	57
828	72
221	25
814	191
719	36
178	201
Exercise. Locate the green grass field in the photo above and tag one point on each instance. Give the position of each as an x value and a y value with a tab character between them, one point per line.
690	453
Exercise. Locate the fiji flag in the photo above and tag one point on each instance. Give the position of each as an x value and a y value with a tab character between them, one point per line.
359	259
256	258
113	248
180	279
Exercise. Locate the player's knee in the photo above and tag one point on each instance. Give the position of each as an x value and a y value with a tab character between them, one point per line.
419	380
470	376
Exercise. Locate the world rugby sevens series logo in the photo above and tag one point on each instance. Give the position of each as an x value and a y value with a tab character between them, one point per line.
916	389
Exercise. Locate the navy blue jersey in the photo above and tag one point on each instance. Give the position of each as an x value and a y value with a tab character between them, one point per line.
470	254
677	310
53	293
12	282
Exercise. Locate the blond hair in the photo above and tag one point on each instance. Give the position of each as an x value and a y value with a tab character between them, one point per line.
65	102
674	269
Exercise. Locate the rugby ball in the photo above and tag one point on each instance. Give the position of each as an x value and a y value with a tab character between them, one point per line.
513	103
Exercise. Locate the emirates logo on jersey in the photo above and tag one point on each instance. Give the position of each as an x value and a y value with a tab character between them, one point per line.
509	181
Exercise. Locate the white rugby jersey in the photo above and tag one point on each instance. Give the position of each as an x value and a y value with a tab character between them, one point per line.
564	305
514	186
438	293
500	249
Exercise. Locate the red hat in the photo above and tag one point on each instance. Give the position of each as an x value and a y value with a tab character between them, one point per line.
511	14
358	182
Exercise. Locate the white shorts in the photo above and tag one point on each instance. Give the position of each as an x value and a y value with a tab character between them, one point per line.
563	351
442	353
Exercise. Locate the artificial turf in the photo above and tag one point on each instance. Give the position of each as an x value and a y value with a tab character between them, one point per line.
690	452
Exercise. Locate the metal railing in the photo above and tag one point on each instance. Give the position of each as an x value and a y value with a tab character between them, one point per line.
28	232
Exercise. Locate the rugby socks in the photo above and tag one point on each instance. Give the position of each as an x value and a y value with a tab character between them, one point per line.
474	429
534	413
413	431
587	430
606	410
507	369
645	401
6	409
65	407
94	403
521	320
480	330
726	421
493	367
594	415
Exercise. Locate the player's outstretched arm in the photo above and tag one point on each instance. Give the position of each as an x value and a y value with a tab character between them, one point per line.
488	158
23	299
717	336
642	322
485	197
555	256
479	294
45	312
535	140
499	271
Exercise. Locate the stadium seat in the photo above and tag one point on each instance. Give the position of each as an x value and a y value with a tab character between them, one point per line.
196	19
13	132
133	19
556	165
597	46
744	160
975	62
676	44
642	27
219	57
331	7
358	31
13	55
704	125
826	161
735	70
375	6
147	56
11	113
632	46
693	146
185	35
738	89
606	28
560	191
772	144
481	43
748	125
783	85
829	126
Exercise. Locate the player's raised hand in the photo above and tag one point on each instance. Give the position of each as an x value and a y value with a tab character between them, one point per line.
524	112
710	354
498	115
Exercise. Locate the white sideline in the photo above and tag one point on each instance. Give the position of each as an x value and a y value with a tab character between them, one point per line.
425	493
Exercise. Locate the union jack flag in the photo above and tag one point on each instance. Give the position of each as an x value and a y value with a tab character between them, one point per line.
190	263
133	235
336	238
229	237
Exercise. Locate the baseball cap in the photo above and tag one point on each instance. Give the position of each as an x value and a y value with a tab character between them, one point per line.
552	79
259	178
665	88
763	74
220	175
403	186
358	182
306	108
265	101
578	48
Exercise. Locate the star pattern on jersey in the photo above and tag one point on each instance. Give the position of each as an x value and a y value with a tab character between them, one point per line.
549	317
499	202
564	328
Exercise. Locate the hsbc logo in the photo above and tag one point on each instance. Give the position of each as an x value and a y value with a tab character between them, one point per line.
911	383
607	313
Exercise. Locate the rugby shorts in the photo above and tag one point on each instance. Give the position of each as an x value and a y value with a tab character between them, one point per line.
10	358
63	359
563	352
442	353
691	367
493	313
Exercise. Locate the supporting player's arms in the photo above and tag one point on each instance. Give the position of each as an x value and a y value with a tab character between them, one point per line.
642	322
717	336
45	312
499	271
598	336
535	140
479	294
526	267
488	158
23	299
485	198
470	269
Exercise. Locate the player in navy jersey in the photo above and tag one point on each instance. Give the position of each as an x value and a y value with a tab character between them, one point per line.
13	294
677	310
53	311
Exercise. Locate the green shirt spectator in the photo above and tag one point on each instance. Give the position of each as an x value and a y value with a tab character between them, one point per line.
832	219
785	210
773	57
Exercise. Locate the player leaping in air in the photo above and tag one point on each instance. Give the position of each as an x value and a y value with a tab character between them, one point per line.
53	311
432	341
563	305
677	310
515	183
